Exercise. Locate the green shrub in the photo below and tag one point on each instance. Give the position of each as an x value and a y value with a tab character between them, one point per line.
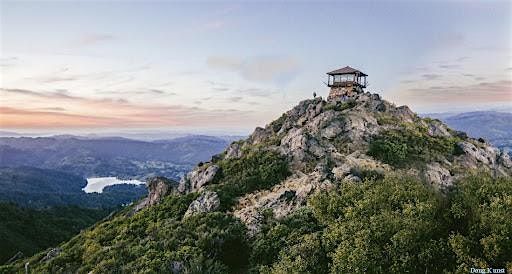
155	240
481	208
367	174
411	145
386	119
340	106
281	243
255	170
393	225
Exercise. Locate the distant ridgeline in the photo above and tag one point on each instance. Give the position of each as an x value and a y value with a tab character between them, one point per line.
353	184
49	171
111	157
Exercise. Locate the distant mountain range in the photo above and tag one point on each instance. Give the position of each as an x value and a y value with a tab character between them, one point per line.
42	172
110	156
495	127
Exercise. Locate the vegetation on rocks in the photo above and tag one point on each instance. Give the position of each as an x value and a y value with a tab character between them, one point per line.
395	224
257	169
411	144
340	106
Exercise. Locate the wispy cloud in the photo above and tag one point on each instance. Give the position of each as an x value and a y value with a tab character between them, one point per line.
451	66
431	76
108	112
483	92
94	38
220	89
8	61
235	99
22	118
214	25
279	70
256	92
142	91
57	94
54	108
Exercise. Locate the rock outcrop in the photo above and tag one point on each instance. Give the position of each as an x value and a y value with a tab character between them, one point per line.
207	202
54	252
198	178
158	188
327	143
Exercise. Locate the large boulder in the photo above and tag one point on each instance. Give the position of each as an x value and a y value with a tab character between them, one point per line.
438	176
208	201
281	200
158	188
438	129
198	178
475	155
234	151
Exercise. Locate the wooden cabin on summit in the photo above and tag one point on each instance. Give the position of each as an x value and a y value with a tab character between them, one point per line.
345	81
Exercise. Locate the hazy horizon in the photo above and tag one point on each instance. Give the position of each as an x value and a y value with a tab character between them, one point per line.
94	67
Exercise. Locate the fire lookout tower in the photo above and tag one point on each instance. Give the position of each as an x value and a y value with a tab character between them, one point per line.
345	81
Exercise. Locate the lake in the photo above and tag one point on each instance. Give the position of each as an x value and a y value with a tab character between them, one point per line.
97	184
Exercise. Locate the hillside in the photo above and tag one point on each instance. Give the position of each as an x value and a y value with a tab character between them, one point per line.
341	187
29	231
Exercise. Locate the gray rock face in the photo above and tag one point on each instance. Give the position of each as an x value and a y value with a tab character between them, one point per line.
505	160
259	134
474	155
177	267
436	128
326	143
234	151
438	175
198	178
207	202
352	178
405	113
333	130
281	199
54	252
158	188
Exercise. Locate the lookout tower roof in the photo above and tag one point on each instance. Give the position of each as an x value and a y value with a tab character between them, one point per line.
347	70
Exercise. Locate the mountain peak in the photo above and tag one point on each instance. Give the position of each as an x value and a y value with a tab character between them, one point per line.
324	170
348	139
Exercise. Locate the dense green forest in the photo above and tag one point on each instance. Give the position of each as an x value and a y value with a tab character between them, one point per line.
394	224
42	188
29	231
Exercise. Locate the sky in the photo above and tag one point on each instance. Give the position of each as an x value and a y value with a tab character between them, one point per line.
92	66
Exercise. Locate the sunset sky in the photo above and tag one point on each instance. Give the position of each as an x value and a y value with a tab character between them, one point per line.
232	66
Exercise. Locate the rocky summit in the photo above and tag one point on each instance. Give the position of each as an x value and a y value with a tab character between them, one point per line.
326	142
352	185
